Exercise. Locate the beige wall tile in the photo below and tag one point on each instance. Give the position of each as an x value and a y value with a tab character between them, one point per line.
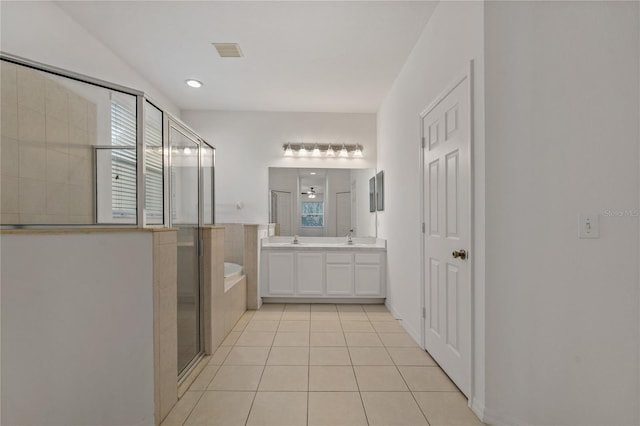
57	134
31	125
56	101
32	196
80	219
10	195
57	166
81	202
34	219
33	161
78	136
57	198
31	88
9	154
9	81
9	219
77	111
9	118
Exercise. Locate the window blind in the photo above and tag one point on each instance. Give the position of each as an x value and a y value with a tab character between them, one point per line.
123	161
153	202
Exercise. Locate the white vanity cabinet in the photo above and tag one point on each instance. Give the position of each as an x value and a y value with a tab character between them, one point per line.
310	273
281	273
337	274
368	274
339	267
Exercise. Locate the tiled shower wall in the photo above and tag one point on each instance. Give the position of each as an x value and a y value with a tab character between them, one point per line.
234	243
47	136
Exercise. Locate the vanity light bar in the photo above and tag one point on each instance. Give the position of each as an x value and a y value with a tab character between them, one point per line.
322	150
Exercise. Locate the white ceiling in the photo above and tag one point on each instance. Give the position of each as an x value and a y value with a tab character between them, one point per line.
315	56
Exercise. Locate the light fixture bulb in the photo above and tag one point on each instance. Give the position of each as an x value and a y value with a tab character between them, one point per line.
312	173
303	151
193	83
312	195
187	151
288	152
330	152
316	151
343	152
358	152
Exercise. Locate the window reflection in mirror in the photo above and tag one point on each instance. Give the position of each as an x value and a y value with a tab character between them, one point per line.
321	202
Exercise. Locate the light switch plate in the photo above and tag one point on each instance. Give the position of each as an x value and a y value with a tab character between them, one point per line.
589	226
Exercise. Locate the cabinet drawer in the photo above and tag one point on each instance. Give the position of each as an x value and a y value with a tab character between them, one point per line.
339	257
367	258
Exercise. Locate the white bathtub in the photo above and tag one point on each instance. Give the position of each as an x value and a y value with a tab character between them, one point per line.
232	274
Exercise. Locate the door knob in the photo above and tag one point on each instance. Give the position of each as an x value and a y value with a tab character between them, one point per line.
459	254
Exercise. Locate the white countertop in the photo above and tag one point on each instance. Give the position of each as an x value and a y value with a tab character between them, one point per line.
325	243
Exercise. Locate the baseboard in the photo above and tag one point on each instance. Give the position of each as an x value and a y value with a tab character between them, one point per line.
415	335
492	418
477	407
318	300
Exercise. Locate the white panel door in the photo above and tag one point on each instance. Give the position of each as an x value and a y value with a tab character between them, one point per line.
343	213
281	274
281	207
310	274
447	231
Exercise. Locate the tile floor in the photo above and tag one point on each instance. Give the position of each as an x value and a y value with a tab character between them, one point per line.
301	364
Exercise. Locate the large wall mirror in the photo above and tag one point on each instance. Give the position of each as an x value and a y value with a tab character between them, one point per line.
321	202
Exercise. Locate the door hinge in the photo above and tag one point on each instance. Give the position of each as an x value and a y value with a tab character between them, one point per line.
423	142
424	312
423	228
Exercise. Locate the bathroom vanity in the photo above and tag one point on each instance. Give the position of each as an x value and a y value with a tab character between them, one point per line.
323	268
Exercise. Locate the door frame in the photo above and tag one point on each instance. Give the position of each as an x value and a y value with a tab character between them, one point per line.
173	123
468	75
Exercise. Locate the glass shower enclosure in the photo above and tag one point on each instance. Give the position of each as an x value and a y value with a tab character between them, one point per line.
191	183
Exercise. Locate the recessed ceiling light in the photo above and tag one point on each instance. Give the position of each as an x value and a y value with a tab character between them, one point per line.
193	83
312	173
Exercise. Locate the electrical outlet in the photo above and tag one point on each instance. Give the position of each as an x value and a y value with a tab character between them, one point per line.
589	226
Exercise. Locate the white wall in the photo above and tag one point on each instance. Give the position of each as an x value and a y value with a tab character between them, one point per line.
365	221
42	32
248	143
77	329
452	37
562	110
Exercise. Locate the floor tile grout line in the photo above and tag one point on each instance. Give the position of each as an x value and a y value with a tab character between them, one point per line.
366	416
259	381
410	391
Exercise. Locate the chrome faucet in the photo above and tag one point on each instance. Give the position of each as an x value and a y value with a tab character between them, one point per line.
295	240
349	240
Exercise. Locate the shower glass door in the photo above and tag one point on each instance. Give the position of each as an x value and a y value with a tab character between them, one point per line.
186	217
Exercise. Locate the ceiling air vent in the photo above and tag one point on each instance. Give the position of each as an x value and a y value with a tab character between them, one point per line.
228	50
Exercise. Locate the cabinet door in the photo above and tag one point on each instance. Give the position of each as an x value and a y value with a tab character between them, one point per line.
368	275
281	276
339	279
310	274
